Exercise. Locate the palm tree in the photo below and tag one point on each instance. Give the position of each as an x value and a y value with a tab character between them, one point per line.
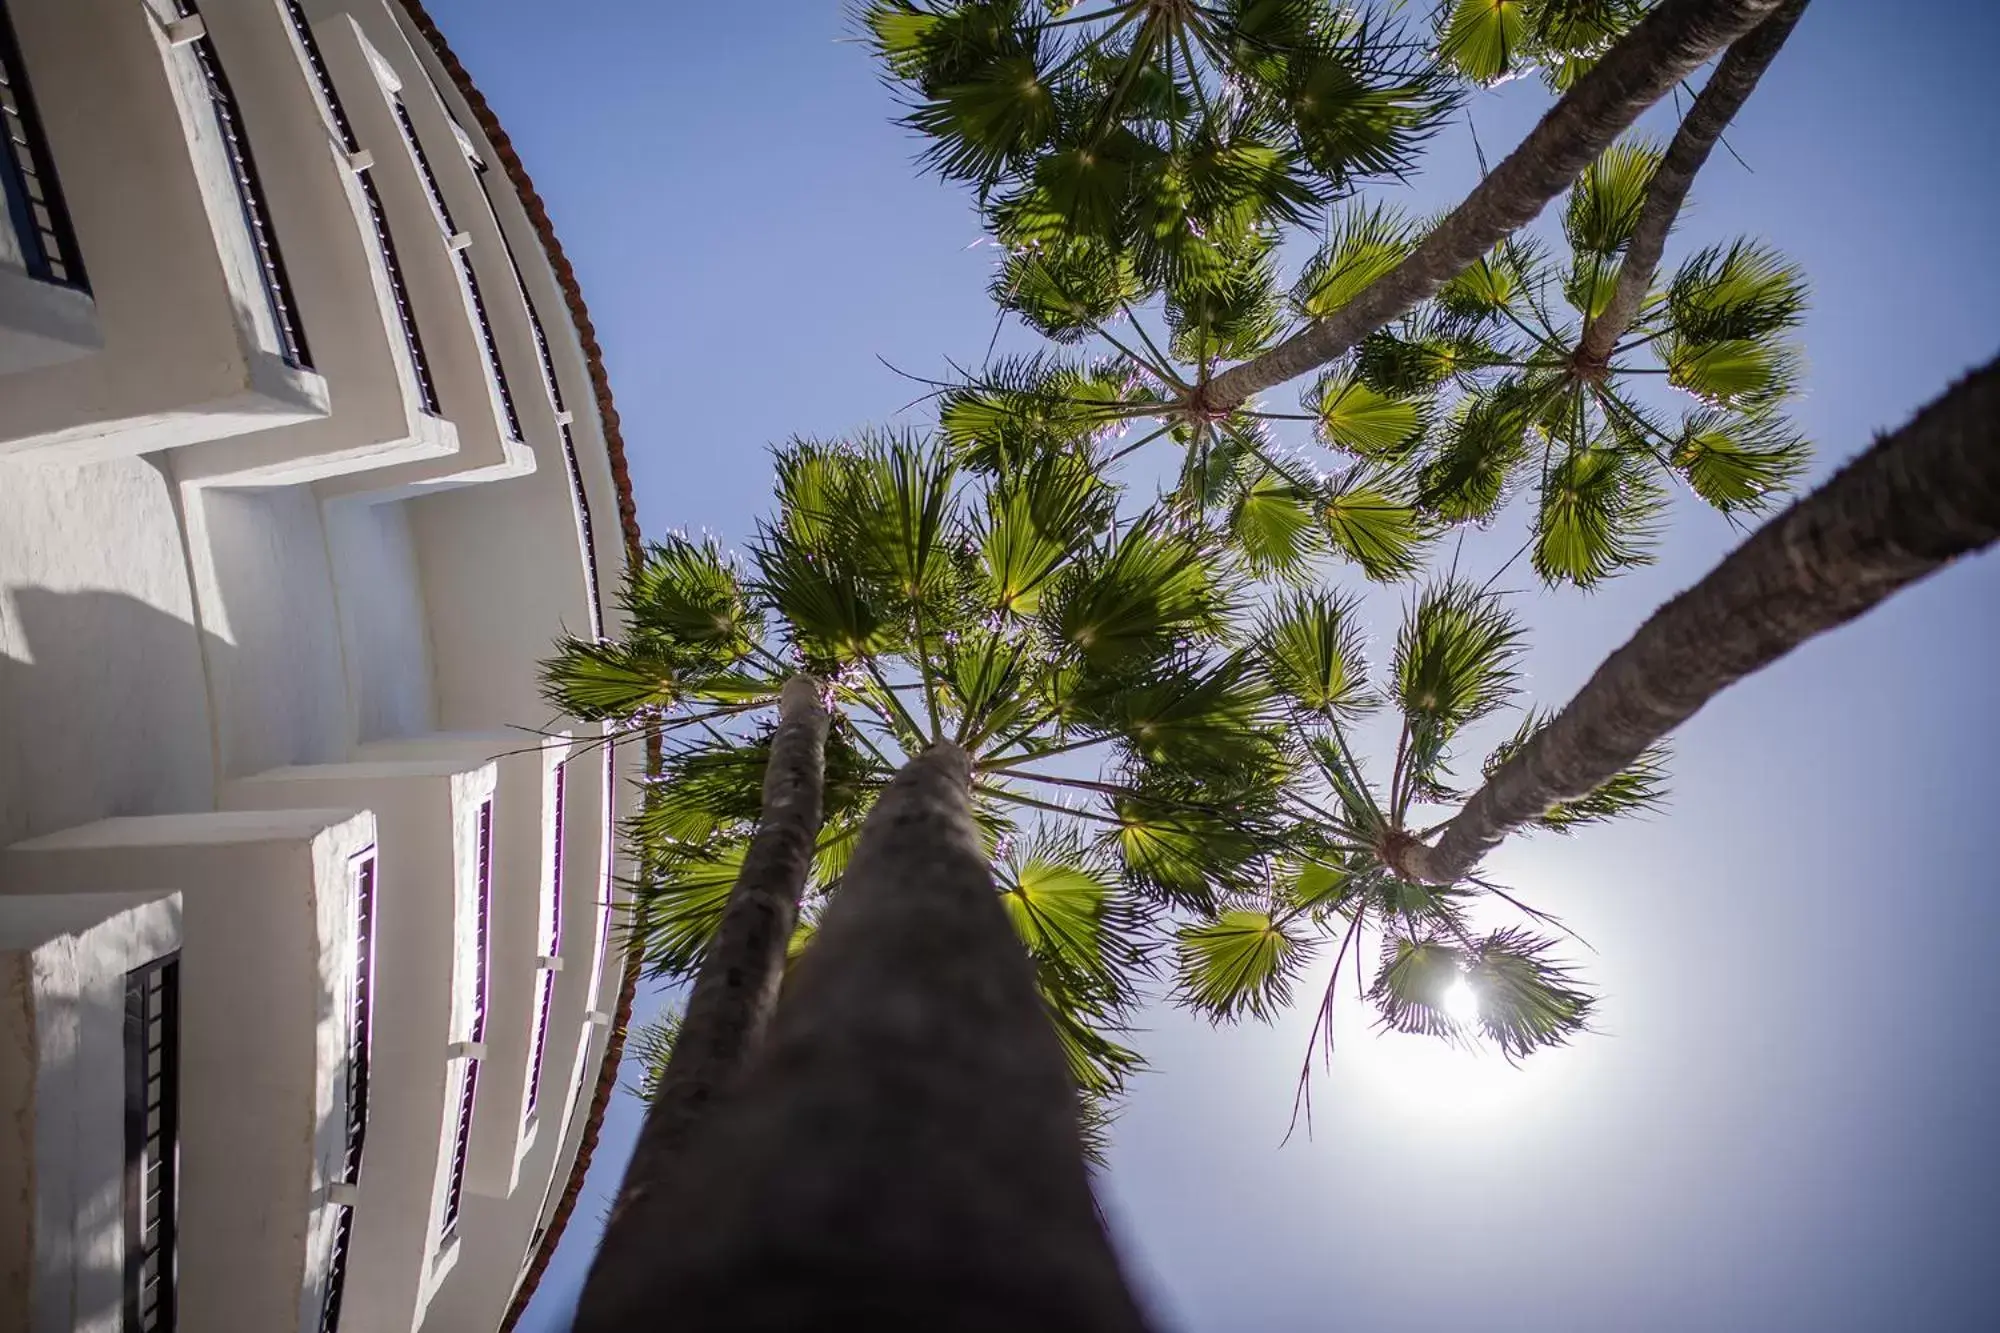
1341	877
1490	389
1115	163
905	1153
1914	502
1125	759
1735	78
736	990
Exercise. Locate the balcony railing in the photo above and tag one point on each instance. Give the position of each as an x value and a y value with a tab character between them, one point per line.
28	176
552	940
360	1025
385	245
465	270
256	212
469	1085
152	1143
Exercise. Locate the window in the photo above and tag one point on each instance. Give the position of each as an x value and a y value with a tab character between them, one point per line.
385	245
551	946
359	1026
465	271
250	198
28	177
468	1085
152	1142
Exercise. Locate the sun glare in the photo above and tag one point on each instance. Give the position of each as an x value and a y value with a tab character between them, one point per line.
1461	1002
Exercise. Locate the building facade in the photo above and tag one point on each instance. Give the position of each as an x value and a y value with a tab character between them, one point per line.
308	960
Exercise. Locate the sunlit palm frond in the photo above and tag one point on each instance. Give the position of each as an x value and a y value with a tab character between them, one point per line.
1363	243
1411	988
1368	523
1243	963
1272	522
1355	417
1133	598
691	594
1478	451
680	902
1599	511
1065	287
1023	409
1739	463
1527	1002
1071	909
1744	291
1201	717
1456	655
614	681
1604	203
1233	315
1314	652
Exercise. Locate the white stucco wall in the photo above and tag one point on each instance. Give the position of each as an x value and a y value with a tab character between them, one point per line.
240	620
182	356
63	961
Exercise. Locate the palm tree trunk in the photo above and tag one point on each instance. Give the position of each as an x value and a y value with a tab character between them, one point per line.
737	990
1917	500
905	1153
1665	47
1716	105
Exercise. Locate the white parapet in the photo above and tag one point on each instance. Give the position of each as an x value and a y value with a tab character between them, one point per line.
437	821
259	911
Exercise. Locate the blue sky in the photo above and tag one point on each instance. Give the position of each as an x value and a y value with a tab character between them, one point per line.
1784	1123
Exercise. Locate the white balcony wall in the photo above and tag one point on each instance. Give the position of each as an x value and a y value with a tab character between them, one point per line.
63	960
185	333
266	942
426	816
542	288
351	34
338	272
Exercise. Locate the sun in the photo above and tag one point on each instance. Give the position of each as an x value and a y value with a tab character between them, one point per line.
1461	1002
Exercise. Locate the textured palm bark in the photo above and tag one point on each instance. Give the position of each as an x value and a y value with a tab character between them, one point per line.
736	992
1665	47
1700	130
904	1153
1917	500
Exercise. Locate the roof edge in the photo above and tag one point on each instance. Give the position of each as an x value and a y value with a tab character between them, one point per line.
628	521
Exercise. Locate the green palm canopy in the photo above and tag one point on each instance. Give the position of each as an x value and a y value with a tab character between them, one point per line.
1075	657
1146	167
1166	754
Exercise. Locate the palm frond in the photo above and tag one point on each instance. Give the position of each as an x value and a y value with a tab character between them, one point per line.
1604	203
1314	653
1455	655
1242	963
1598	514
1738	463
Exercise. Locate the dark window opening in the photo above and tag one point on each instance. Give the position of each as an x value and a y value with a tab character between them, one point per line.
250	199
552	940
28	176
465	270
152	1143
359	1028
482	961
420	366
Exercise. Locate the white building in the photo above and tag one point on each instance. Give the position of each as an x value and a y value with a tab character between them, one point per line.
307	973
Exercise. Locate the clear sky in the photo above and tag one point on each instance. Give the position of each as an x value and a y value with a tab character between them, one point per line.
1786	1121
